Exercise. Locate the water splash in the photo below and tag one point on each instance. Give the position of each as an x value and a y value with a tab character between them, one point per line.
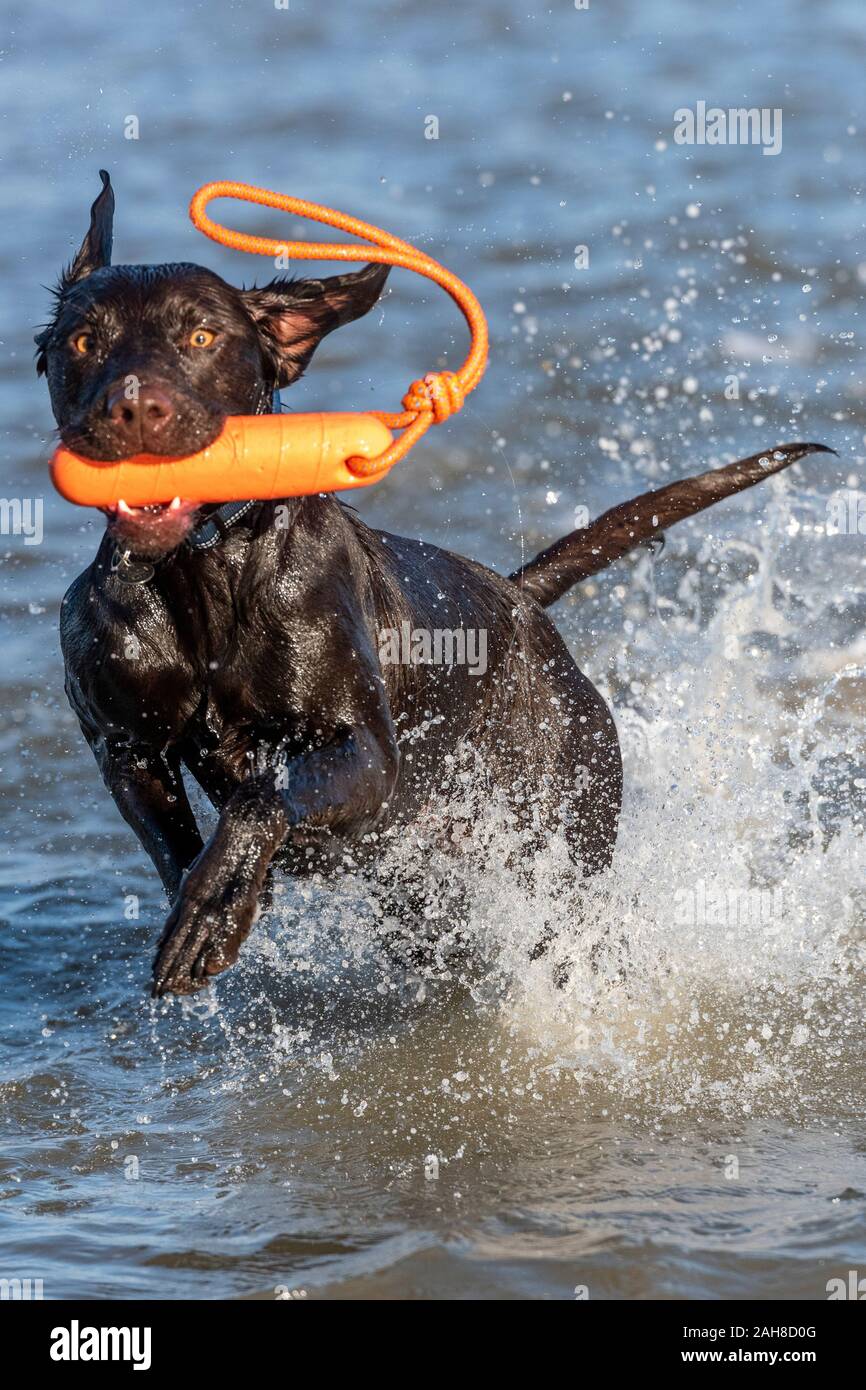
717	969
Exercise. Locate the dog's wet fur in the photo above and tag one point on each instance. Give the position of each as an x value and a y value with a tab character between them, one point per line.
254	663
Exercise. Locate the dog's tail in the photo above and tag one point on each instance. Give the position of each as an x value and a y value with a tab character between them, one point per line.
585	552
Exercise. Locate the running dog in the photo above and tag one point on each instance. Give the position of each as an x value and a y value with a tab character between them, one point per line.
242	642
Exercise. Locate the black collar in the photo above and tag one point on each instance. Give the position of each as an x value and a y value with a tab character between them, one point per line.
215	527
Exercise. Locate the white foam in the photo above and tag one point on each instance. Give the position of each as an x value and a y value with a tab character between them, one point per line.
719	965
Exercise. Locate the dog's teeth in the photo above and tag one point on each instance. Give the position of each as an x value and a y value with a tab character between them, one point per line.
174	504
123	508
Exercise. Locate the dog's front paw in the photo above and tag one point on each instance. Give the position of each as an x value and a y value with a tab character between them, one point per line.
204	931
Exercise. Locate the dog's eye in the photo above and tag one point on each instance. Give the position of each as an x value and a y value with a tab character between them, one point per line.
201	338
83	343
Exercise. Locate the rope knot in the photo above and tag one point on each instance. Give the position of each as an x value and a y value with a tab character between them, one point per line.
439	394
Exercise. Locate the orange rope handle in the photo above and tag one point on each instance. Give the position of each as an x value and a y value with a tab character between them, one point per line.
428	401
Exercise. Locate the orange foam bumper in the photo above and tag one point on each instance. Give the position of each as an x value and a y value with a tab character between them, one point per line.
260	456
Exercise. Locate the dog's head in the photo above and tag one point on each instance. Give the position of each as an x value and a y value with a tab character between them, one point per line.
151	359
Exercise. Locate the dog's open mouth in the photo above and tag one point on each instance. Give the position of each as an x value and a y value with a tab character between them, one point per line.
152	509
153	529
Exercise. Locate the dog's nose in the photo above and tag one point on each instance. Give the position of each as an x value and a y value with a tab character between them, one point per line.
139	416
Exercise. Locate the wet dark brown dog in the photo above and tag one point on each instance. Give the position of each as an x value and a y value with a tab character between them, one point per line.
248	653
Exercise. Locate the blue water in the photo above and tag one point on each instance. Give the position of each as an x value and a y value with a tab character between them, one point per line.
318	1124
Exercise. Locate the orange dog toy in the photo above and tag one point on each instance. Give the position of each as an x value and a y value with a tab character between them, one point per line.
291	455
255	456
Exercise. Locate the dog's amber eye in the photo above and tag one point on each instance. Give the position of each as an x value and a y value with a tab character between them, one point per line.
82	342
201	338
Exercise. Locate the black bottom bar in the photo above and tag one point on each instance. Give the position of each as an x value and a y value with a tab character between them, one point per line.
63	1338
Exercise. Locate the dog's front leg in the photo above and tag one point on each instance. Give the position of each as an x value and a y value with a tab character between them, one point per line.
149	793
342	787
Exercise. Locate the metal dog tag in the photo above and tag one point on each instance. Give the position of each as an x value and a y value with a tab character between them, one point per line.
130	571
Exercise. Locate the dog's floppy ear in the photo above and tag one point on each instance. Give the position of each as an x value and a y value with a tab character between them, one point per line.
95	250
293	316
